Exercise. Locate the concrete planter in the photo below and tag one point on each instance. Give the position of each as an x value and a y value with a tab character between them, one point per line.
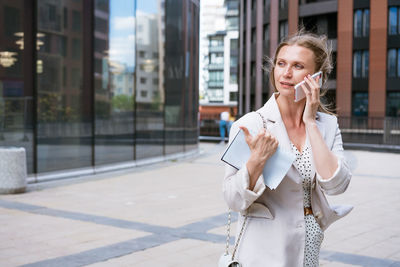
12	170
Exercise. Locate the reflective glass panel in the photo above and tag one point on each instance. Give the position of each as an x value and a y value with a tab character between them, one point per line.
181	78
392	20
357	64
391	62
393	104
365	63
16	102
64	122
398	62
366	22
114	66
192	78
358	23
175	77
360	104
150	78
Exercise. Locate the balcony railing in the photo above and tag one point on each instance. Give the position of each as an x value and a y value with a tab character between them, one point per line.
215	66
370	130
215	84
360	130
212	49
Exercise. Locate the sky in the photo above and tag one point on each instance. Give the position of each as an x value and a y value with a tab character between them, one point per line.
122	28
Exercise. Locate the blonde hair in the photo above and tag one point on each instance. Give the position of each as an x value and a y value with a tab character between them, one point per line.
322	55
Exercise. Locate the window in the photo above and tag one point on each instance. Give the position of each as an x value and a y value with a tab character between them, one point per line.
232	5
143	80
234	44
283	4
253	35
365	63
392	60
216	58
360	63
365	26
143	93
234	61
76	21
361	23
233	78
360	104
232	23
233	96
393	104
283	29
394	63
266	32
357	22
155	81
253	69
76	48
216	75
216	42
142	54
393	20
66	18
52	12
267	4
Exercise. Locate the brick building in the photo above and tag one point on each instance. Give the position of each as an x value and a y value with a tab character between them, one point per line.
365	36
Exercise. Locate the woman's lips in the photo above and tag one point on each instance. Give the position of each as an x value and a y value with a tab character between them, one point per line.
286	84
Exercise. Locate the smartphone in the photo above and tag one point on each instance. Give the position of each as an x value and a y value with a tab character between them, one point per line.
298	91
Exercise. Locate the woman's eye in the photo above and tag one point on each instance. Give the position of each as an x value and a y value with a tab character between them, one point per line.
298	66
281	63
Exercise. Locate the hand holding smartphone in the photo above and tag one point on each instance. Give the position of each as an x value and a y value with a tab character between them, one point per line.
298	91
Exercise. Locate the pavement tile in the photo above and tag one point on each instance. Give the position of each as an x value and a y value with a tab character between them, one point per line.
181	193
177	253
31	237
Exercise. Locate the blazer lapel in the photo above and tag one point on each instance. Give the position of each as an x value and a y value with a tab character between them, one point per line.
277	128
275	125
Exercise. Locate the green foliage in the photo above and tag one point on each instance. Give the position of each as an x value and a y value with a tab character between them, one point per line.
51	109
122	103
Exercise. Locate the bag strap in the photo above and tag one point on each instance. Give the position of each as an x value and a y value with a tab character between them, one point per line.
228	230
228	226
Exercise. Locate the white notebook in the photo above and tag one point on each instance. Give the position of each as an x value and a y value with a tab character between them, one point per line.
275	169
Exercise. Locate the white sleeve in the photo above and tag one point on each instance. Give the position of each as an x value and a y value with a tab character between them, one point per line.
236	184
340	180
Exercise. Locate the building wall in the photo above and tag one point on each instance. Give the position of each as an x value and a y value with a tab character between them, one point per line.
212	19
359	84
75	99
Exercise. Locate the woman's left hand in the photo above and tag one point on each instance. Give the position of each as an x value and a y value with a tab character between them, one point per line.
312	99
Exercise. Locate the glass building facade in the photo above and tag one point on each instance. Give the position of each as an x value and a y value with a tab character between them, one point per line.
88	83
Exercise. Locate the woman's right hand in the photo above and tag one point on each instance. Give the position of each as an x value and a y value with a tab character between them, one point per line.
262	147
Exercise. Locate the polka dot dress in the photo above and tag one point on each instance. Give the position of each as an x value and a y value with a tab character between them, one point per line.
314	234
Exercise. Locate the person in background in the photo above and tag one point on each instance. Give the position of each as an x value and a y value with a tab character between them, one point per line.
224	125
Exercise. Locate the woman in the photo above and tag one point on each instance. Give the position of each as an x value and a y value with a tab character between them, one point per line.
285	226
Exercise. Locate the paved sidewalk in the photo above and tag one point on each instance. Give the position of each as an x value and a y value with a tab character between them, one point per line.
173	214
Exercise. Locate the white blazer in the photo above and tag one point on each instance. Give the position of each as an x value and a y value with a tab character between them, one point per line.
275	232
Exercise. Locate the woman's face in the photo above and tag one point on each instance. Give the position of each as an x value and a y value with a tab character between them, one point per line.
293	63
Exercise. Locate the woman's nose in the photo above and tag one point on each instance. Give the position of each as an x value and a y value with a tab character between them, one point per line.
287	72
